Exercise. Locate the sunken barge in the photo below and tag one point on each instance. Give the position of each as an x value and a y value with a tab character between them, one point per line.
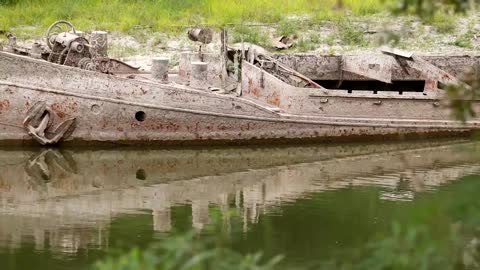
70	91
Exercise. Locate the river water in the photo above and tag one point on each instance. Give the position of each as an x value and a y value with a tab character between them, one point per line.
67	208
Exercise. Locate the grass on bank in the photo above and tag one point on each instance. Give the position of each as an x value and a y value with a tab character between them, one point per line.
313	24
170	15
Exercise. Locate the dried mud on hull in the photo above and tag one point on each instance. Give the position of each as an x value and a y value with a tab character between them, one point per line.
109	109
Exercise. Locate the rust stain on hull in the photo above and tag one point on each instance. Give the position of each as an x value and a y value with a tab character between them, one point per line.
253	89
274	99
4	105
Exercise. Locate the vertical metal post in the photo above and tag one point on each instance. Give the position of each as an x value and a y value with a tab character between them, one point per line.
224	57
199	75
160	68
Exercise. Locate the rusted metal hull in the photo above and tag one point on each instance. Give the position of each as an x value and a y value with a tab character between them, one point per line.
109	109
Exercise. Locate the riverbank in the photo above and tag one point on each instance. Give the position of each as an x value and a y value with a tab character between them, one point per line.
455	35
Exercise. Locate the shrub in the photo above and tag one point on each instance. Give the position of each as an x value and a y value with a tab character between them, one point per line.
187	252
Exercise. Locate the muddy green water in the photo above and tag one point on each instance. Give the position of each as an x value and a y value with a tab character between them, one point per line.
67	208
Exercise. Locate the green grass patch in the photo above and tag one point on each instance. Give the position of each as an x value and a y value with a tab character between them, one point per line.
8	2
444	24
169	15
464	40
330	40
305	45
351	34
253	35
315	38
119	51
289	27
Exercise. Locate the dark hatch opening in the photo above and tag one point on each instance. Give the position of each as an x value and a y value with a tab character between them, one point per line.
372	85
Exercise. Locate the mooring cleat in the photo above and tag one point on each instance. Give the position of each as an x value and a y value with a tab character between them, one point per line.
38	122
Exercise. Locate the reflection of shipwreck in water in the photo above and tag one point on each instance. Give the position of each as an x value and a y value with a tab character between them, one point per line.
39	167
43	191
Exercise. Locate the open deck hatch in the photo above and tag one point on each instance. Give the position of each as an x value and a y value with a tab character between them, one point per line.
399	86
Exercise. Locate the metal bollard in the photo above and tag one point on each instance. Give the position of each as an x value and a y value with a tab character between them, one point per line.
160	68
99	42
12	43
198	75
36	51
